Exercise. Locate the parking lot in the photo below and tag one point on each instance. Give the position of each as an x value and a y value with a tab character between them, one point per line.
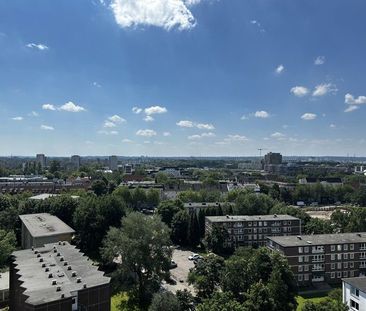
180	273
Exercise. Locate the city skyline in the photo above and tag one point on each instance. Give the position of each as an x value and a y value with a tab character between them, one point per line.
182	78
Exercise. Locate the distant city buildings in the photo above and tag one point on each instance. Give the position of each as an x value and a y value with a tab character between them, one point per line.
272	158
253	230
75	161
43	228
41	159
329	181
323	257
56	276
128	169
113	163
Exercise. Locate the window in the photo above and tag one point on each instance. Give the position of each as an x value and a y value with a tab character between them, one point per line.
332	266
306	249
345	265
351	265
339	265
264	223
332	248
259	224
306	258
339	256
355	291
351	255
345	256
354	305
300	268
339	274
352	247
362	246
301	259
299	277
351	274
332	275
362	255
306	277
240	238
345	247
332	257
339	247
264	230
300	250
255	223
249	224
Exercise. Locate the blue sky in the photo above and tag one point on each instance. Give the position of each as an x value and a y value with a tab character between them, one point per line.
182	77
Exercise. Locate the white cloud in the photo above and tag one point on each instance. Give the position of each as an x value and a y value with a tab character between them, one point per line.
185	123
299	91
351	100
136	110
17	118
47	127
166	134
109	124
116	119
351	108
146	133
41	47
258	24
332	126
33	114
236	137
203	126
96	84
203	135
126	140
309	116
48	107
167	14
71	107
278	135
148	119
324	88
155	110
104	132
261	114
280	69
320	60
244	117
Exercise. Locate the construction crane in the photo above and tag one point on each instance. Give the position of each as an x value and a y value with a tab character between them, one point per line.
260	151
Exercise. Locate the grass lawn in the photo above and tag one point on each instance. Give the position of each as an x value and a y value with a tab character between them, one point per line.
301	301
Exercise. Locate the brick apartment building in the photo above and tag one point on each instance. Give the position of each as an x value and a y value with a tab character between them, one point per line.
323	257
56	277
253	230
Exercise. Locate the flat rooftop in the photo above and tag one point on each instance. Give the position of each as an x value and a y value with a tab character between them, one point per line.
45	224
319	239
207	204
358	282
37	282
4	281
236	218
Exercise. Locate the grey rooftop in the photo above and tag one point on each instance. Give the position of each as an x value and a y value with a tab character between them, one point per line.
358	282
238	218
44	224
54	270
319	239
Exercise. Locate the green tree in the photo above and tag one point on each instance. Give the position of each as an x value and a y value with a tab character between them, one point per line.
318	226
167	210
142	248
180	225
165	301
258	298
99	187
185	299
221	302
193	230
206	275
216	239
7	246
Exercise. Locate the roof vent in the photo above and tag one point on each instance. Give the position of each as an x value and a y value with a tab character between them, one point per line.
38	255
65	263
227	216
59	242
47	269
41	259
62	296
73	273
55	250
58	254
62	259
63	243
69	268
32	248
78	280
84	286
58	288
50	275
43	265
36	252
275	215
309	242
299	237
54	282
359	234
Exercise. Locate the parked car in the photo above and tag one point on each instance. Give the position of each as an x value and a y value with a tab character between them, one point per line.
194	257
173	264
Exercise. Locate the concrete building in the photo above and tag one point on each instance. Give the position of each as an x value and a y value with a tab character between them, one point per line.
4	289
328	181
75	161
253	230
40	229
354	293
128	169
113	163
56	277
272	158
41	159
323	257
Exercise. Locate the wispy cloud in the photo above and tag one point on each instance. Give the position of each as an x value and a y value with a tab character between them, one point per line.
191	124
324	88
320	60
185	123
71	107
47	127
41	47
148	119
166	134
308	116
280	69
33	114
262	114
351	108
126	140
232	138
278	135
146	133
96	84
166	14
155	110
105	132
299	91
351	100
17	118
203	135
136	110
48	107
258	25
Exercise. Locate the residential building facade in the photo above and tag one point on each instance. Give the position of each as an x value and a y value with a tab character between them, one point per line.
354	293
253	230
323	257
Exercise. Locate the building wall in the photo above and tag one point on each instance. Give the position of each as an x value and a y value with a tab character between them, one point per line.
348	296
330	265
